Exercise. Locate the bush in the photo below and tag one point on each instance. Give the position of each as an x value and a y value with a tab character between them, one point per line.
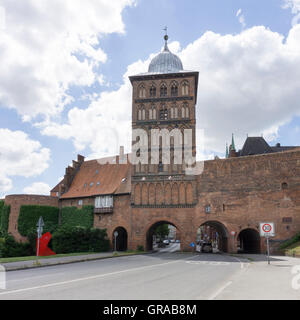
4	218
30	214
1	207
79	239
9	247
74	217
140	248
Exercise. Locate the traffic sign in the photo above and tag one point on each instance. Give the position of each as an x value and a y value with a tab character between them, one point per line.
267	229
192	244
232	233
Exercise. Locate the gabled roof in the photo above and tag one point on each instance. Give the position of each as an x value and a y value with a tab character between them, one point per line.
94	178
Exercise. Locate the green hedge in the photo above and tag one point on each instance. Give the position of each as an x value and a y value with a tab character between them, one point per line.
9	247
291	241
1	208
79	239
74	217
4	218
30	214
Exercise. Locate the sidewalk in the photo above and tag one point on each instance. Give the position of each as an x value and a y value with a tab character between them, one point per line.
260	281
20	265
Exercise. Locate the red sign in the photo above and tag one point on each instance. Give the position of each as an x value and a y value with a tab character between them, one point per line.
43	246
267	227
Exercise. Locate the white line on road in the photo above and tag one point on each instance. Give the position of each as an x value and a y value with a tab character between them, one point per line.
220	290
212	297
92	277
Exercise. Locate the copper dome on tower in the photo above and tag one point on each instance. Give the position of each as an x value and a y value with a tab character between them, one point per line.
165	62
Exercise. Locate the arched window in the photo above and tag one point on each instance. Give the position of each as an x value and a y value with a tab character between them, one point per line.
187	112
163	90
150	114
154	113
185	88
183	112
143	114
139	114
142	91
152	91
172	113
174	89
175	112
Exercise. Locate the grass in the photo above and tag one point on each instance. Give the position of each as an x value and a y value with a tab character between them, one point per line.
28	258
16	259
294	249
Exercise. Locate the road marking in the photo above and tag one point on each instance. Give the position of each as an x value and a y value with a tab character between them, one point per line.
212	297
92	277
212	263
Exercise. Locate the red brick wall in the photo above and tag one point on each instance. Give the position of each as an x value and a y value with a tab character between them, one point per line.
16	201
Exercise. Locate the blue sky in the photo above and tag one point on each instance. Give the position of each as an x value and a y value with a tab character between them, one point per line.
85	52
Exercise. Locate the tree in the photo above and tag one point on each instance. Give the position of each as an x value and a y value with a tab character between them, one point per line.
162	231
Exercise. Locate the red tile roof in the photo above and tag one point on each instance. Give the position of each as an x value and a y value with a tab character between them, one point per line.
94	178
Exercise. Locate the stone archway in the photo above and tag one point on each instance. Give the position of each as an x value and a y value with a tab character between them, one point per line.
216	232
121	242
249	241
152	228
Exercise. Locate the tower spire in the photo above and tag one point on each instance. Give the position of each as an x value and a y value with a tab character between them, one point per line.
232	143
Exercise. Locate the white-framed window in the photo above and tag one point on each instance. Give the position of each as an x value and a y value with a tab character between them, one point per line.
80	202
104	202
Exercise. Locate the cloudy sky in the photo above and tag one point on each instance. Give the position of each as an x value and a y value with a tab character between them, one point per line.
64	70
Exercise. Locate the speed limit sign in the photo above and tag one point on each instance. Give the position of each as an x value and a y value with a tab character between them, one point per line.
267	229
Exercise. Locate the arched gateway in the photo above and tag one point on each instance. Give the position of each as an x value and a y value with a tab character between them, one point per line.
151	237
120	242
215	233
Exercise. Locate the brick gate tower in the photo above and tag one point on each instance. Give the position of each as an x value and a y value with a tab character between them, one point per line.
163	108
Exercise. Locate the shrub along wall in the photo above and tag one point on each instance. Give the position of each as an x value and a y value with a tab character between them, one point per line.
79	239
73	217
4	218
30	214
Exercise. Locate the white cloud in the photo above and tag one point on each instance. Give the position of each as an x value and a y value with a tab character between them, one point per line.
294	5
241	17
38	188
249	83
48	46
20	156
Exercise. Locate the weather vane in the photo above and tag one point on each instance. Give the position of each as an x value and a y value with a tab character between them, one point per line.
166	35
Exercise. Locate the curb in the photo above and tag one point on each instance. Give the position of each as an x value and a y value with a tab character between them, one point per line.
49	264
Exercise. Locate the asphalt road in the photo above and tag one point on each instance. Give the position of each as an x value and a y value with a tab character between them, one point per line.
152	276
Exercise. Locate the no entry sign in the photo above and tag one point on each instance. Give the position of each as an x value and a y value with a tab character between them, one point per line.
267	229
